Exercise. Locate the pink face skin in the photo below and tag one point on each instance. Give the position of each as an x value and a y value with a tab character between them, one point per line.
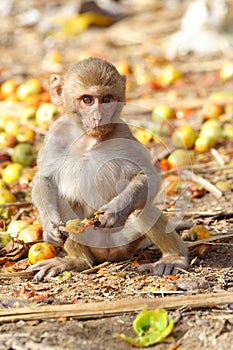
97	113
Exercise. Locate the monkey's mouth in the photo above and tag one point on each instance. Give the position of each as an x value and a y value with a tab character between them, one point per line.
100	130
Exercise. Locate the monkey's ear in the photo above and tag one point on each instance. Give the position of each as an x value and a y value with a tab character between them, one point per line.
56	82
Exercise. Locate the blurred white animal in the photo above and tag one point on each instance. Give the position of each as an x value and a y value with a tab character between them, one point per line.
205	29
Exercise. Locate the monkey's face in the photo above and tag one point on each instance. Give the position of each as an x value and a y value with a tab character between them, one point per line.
98	113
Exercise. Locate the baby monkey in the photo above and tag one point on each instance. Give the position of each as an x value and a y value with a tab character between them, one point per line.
89	162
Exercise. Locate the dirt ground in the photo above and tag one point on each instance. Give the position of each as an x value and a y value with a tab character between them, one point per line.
22	53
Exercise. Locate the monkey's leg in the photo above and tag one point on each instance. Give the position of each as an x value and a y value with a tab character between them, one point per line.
79	258
174	250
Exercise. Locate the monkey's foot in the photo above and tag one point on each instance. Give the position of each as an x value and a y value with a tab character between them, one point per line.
53	267
167	265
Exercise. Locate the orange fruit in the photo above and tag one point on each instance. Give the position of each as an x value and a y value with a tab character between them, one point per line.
41	251
8	88
198	232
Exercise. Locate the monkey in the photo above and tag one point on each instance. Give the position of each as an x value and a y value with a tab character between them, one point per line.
90	161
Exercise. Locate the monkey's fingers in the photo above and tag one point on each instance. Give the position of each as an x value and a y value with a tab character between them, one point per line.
47	268
163	268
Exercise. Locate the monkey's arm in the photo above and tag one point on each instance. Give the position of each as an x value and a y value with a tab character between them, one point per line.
134	196
44	197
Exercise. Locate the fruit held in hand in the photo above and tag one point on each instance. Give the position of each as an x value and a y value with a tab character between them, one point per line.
41	251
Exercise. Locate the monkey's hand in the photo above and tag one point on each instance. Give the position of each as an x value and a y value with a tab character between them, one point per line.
53	235
111	215
169	264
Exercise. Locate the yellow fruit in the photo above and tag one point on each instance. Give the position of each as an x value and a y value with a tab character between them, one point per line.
168	75
179	157
41	251
184	136
46	113
227	71
12	173
6	197
203	144
11	126
26	134
211	129
8	88
32	233
143	136
34	86
162	112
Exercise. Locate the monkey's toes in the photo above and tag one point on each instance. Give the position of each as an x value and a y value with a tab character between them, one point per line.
162	268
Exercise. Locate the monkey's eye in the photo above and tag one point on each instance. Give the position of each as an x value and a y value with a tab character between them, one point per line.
107	99
87	99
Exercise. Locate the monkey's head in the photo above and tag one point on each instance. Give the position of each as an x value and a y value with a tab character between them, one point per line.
93	89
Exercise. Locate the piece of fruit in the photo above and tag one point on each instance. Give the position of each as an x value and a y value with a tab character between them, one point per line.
11	126
184	136
203	144
197	232
12	173
211	129
179	157
168	75
34	86
226	71
162	112
183	113
8	88
32	233
26	134
46	113
143	135
7	139
228	132
41	251
77	226
5	238
24	154
16	226
212	110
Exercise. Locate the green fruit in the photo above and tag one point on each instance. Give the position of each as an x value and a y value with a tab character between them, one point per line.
24	154
16	226
228	132
5	238
212	130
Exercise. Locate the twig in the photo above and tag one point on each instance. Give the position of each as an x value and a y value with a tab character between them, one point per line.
113	308
204	183
15	204
211	239
95	268
217	156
